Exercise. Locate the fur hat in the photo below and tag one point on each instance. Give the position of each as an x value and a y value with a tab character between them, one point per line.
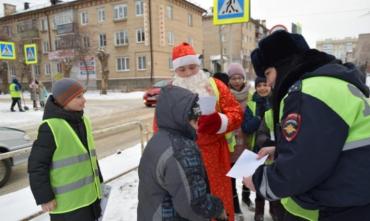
235	69
257	62
280	45
184	54
65	90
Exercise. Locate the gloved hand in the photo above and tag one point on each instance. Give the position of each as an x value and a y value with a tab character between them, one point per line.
209	124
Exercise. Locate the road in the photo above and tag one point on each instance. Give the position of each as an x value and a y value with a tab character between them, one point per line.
103	114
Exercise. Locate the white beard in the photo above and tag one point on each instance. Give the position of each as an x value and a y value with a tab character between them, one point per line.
197	83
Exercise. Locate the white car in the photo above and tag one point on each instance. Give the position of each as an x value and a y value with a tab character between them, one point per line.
12	139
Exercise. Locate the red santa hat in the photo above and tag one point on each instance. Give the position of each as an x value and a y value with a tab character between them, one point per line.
184	54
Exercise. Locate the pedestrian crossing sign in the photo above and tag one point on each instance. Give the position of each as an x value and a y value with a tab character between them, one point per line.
30	53
230	11
7	50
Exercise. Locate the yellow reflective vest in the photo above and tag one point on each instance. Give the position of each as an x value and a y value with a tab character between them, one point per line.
74	174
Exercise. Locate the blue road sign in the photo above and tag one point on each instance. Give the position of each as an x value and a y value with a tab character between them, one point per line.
230	11
7	51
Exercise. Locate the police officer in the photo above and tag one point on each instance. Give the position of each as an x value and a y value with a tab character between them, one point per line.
322	118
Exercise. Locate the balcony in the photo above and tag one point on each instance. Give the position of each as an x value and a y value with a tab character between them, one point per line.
70	28
28	29
71	41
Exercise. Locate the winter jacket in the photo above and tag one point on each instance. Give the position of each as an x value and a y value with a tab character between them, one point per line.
172	179
312	168
240	137
34	91
254	118
41	156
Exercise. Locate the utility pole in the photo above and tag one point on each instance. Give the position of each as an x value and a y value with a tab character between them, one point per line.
220	27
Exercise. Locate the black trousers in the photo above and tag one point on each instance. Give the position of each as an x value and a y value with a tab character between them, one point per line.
16	100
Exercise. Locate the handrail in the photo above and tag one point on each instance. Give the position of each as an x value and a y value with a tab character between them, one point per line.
26	148
144	136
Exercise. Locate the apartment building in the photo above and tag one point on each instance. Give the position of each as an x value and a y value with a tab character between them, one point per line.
341	48
362	52
138	35
237	41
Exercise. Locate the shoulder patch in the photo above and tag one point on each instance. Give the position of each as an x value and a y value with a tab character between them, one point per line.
291	126
297	86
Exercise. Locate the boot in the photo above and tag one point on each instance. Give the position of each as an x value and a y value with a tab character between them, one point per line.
260	210
276	210
245	198
12	110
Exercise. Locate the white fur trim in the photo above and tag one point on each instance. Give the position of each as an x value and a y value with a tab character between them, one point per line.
224	122
185	60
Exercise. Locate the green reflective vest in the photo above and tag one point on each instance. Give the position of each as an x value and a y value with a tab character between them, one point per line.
74	172
13	92
351	99
230	137
268	118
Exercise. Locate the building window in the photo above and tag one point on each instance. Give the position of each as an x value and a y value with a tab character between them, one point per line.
140	36
123	64
121	38
47	69
170	38
141	62
170	63
59	68
36	70
190	19
86	41
84	18
101	15
44	24
102	40
169	12
120	12
139	8
45	47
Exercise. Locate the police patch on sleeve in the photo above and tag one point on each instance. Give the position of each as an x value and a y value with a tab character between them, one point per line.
291	126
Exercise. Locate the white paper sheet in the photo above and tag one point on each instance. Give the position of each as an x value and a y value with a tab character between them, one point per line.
207	104
246	164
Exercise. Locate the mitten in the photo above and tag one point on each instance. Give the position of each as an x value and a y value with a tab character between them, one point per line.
211	124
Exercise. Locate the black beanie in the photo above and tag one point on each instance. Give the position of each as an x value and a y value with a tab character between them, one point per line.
281	45
259	80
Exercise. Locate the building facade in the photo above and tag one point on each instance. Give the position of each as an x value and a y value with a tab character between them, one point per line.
237	41
362	52
138	35
342	49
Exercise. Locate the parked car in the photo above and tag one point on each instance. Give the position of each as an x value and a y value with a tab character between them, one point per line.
12	139
151	95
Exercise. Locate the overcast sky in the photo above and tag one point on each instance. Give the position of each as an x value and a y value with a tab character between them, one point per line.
320	19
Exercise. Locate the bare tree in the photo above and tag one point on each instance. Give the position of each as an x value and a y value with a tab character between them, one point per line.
103	58
67	64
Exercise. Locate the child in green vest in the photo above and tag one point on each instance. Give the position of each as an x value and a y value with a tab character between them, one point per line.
63	170
255	126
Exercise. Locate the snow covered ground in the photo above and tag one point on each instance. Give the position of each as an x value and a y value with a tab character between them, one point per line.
122	202
17	118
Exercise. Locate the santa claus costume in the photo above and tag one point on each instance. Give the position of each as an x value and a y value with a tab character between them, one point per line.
212	127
